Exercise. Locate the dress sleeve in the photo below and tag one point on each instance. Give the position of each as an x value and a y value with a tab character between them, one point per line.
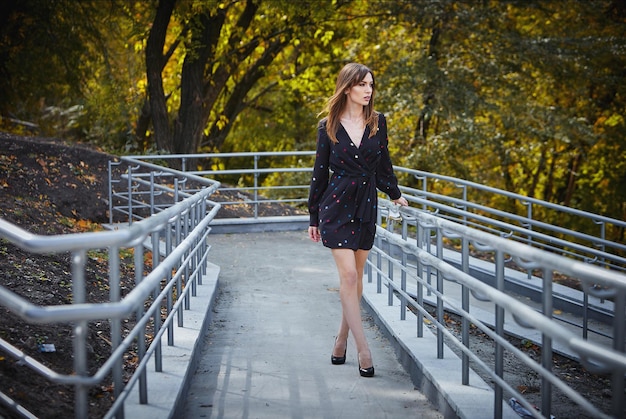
386	180
319	179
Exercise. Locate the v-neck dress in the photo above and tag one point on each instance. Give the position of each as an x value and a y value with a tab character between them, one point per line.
344	204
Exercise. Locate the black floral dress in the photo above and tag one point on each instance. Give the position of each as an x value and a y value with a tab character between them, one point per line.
344	205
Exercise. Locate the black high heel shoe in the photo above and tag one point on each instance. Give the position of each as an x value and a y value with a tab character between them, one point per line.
366	372
338	360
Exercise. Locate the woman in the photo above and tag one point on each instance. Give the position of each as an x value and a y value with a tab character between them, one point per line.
352	143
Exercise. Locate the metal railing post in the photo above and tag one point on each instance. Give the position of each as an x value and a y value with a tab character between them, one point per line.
81	394
156	323
499	329
419	291
130	195
116	324
404	261
110	180
546	345
619	336
141	341
465	305
256	185
440	312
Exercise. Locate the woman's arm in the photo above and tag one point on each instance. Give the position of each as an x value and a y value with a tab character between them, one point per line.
386	180
319	179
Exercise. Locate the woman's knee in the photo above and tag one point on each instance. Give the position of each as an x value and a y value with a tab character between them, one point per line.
350	278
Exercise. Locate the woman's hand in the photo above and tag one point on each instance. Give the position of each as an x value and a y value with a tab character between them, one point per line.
401	201
314	233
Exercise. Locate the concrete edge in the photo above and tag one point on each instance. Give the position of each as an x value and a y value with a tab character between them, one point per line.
438	379
167	389
259	225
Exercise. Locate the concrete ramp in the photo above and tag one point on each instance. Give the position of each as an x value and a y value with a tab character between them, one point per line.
267	351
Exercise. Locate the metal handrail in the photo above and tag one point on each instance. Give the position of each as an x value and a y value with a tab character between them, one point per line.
176	234
589	247
167	210
463	209
594	356
261	194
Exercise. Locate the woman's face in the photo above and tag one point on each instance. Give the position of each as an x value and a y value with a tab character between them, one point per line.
361	93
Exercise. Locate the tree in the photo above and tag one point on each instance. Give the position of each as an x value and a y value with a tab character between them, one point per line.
39	48
517	95
70	67
525	96
228	48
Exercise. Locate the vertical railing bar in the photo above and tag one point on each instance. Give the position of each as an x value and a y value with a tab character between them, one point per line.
619	334
81	392
110	166
465	305
403	302
585	320
390	224
546	344
529	227
440	312
427	237
130	195
176	187
419	292
499	329
141	342
179	280
203	244
194	253
603	239
156	258
256	185
151	193
168	277
424	189
116	325
187	303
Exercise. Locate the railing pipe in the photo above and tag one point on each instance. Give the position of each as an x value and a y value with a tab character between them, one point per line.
546	344
116	325
605	359
496	191
499	322
187	226
525	230
81	400
440	311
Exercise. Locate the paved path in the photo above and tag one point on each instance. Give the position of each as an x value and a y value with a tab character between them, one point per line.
267	353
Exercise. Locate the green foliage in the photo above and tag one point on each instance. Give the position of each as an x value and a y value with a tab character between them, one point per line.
522	96
527	96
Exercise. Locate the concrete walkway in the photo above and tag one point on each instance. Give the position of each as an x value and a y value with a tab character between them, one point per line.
267	351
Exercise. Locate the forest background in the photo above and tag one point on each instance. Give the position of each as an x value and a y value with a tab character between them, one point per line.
528	96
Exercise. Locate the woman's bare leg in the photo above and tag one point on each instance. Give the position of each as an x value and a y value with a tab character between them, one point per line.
350	265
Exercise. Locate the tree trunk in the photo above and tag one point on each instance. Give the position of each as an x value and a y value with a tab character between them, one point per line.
548	192
212	88
426	113
200	91
537	175
571	180
236	101
154	66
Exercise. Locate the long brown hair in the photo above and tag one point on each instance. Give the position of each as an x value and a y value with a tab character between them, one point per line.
350	75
